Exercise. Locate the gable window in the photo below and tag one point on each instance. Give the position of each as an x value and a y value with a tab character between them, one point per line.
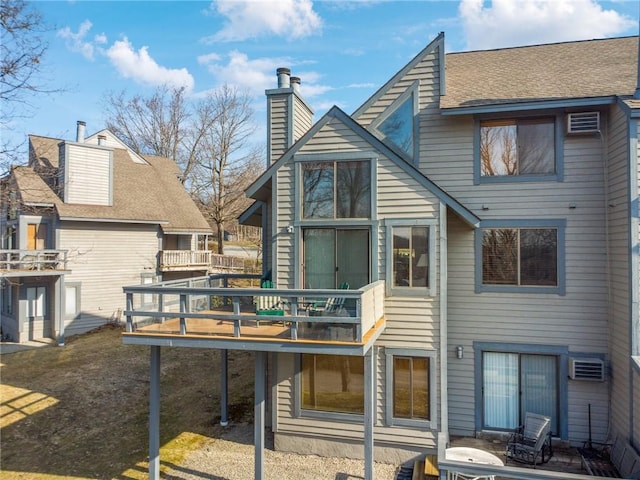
522	257
410	398
336	190
332	383
518	148
411	265
398	126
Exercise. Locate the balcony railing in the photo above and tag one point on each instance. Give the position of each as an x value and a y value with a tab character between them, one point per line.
171	260
220	306
33	260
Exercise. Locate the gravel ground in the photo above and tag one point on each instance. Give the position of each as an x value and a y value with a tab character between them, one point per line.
232	458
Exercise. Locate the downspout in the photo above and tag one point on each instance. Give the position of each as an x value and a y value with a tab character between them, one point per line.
444	340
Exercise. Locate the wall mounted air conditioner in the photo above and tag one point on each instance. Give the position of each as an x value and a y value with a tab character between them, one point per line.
583	122
586	369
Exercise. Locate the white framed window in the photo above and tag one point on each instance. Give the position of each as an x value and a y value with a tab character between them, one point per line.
71	300
411	257
410	387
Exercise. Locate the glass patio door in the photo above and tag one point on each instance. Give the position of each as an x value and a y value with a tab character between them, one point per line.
334	256
514	384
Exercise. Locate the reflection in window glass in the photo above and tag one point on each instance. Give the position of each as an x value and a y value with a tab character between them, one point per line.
318	190
517	147
410	256
527	256
398	127
336	189
333	383
411	387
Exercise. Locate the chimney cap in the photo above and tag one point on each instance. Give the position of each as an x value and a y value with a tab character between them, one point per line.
81	122
283	70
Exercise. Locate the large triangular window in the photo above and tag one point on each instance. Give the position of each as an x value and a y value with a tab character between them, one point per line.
397	125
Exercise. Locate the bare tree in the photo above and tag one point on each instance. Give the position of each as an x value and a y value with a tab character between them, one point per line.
226	162
157	125
208	139
22	51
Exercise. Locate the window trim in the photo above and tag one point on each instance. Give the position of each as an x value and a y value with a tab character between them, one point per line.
478	178
392	421
299	412
559	224
413	91
561	351
431	290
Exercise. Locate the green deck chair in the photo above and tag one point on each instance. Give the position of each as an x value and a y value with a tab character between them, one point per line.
269	304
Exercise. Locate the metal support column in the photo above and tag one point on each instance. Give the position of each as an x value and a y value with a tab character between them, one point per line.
154	414
258	410
369	413
224	387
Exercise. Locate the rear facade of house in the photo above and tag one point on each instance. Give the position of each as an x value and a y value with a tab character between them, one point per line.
499	205
84	218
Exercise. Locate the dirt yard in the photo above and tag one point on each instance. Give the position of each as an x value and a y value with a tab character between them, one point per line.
81	411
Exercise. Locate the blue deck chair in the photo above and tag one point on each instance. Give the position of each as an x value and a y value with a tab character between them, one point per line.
332	305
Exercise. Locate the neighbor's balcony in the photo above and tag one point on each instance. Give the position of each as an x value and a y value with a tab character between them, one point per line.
184	260
25	262
227	311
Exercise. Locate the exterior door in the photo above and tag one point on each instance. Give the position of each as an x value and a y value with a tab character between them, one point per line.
36	236
334	256
38	321
514	384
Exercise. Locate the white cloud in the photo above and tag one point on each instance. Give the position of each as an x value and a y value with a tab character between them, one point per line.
505	23
143	69
251	18
257	75
75	41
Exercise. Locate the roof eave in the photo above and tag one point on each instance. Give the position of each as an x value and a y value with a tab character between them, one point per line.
532	105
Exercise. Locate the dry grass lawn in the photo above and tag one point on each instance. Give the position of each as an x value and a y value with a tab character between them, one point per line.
81	411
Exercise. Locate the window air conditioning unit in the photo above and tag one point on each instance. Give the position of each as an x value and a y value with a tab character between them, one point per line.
583	122
586	369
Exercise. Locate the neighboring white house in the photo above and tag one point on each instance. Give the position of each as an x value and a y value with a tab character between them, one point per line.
84	219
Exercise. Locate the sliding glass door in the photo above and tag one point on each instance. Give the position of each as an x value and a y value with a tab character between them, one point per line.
333	256
514	384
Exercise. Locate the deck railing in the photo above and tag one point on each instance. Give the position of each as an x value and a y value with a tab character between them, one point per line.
224	299
38	260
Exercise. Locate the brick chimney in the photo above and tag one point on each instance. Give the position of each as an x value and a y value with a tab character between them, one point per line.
288	115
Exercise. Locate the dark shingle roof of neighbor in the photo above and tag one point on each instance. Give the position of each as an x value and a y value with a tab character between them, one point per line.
143	193
583	69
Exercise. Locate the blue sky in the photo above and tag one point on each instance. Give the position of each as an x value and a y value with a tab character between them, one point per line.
343	51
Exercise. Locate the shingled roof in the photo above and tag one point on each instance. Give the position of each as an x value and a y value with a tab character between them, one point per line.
571	70
146	193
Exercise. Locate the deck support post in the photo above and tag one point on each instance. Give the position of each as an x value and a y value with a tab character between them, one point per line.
369	413
224	387
154	414
258	411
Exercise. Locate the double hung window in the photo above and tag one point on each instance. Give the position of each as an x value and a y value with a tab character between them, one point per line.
411	264
410	399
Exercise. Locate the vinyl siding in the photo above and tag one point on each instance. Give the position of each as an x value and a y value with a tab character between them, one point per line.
412	322
303	118
618	228
103	258
88	175
278	140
